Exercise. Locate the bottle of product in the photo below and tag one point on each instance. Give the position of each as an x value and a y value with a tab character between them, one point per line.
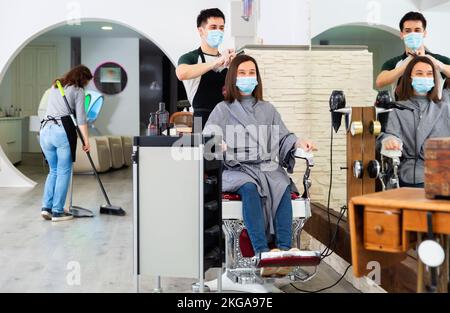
163	118
11	111
152	129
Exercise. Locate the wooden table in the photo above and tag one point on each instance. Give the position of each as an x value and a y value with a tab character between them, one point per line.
384	225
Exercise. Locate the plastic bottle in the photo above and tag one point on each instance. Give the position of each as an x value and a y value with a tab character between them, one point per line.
163	118
152	129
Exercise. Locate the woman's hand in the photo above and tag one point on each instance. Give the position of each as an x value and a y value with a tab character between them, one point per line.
87	146
306	145
392	144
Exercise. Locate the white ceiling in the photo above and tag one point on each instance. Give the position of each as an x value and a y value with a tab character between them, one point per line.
93	29
432	5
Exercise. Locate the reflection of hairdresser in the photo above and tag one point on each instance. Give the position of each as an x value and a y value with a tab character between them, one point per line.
424	116
58	140
413	31
254	162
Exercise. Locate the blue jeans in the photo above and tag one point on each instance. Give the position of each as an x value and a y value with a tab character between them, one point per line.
252	207
56	148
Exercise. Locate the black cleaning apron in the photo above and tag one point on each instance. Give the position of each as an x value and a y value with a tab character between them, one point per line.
71	133
209	93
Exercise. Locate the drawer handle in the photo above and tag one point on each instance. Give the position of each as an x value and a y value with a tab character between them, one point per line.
10	142
379	229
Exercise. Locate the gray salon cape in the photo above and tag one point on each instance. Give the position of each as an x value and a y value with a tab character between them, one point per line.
430	119
258	147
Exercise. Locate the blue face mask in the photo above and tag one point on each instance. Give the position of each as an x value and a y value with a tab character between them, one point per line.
246	84
422	85
214	38
413	41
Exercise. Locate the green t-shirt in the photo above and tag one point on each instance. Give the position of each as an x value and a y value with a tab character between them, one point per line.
191	58
392	63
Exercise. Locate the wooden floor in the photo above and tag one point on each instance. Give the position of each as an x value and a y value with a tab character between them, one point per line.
41	256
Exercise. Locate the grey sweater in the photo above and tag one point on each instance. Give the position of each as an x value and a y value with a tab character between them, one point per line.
264	148
430	119
57	107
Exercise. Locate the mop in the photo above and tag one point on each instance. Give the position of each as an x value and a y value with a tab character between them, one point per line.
104	209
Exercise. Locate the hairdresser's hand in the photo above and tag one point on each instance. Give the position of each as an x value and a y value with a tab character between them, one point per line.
392	144
306	145
231	55
437	64
87	146
219	63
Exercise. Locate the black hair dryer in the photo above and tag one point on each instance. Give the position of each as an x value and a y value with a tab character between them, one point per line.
337	109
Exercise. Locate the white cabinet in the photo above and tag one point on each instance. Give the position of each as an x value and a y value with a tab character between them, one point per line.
11	138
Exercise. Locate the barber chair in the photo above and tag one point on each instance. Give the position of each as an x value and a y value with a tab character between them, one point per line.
243	267
390	162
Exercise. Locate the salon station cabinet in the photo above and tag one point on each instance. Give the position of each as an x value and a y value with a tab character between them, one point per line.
177	206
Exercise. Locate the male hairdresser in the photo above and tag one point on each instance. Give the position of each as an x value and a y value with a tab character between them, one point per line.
203	70
413	32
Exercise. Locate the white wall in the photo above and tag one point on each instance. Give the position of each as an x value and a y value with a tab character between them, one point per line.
171	24
120	113
284	22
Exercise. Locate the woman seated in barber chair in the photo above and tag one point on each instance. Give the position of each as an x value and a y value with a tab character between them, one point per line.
424	116
257	145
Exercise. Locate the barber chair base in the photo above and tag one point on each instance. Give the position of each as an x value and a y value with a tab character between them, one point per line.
246	283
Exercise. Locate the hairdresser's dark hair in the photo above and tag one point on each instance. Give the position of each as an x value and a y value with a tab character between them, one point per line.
204	15
413	16
405	90
79	76
231	91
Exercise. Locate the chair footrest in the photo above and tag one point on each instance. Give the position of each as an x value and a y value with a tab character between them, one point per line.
289	258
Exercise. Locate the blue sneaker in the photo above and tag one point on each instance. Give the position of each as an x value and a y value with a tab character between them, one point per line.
46	214
59	217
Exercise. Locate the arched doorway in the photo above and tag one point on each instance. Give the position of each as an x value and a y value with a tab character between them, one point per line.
51	53
383	42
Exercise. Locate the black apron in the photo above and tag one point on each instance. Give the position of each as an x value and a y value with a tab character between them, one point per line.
209	92
71	132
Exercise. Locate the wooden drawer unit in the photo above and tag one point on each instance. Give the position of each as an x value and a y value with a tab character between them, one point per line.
382	229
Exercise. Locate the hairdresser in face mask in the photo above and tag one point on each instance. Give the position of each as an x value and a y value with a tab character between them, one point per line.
425	116
203	70
413	33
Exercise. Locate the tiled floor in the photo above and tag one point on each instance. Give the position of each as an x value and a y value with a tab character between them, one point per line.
40	256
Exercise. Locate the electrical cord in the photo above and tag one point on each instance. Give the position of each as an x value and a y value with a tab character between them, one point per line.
325	288
332	239
330	250
329	193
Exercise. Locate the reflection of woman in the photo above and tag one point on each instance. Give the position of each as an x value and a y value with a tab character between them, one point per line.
426	117
258	146
55	143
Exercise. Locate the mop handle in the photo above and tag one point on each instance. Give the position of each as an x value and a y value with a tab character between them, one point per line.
63	94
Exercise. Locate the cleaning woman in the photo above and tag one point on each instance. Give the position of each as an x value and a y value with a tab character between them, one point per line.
55	140
258	146
425	116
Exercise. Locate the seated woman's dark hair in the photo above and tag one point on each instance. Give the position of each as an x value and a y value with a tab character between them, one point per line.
405	90
78	76
231	91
